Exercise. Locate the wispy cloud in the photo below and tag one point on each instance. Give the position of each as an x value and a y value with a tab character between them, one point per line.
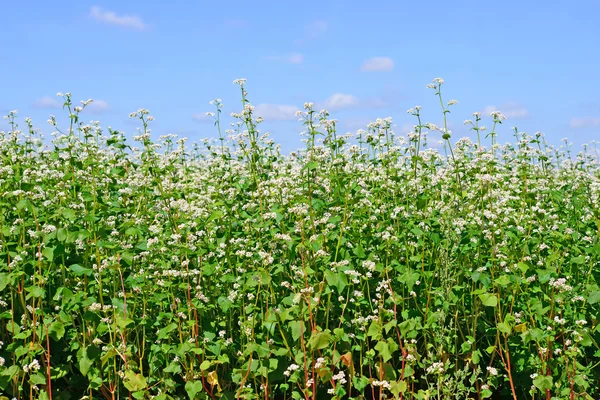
202	117
339	101
510	109
577	123
98	107
313	31
111	18
356	123
377	64
293	58
47	102
316	29
276	112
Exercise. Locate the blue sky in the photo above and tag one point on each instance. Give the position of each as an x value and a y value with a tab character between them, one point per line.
537	62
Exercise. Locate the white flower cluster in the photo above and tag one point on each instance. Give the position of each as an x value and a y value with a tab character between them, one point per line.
435	368
383	384
560	284
33	366
340	377
291	369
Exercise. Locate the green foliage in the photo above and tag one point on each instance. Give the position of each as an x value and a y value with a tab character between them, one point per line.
354	268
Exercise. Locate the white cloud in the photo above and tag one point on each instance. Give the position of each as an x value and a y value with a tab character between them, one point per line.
293	58
98	106
338	101
584	123
356	123
47	102
378	64
111	18
510	109
202	117
313	31
276	112
316	29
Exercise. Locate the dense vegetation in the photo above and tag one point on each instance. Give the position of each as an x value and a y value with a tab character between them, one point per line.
359	267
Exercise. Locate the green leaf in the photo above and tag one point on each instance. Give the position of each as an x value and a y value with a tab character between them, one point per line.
35	291
7	375
311	165
359	251
397	387
134	382
476	357
273	364
132	231
127	257
164	332
543	382
578	260
410	325
79	270
84	362
43	395
224	303
339	280
61	234
56	330
215	215
489	300
69	214
503	280
21	204
48	253
173	368
37	379
3	281
205	365
297	328
504	327
522	266
384	350
593	298
374	330
319	340
192	388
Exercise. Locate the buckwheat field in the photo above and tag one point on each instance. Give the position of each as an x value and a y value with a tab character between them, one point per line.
370	265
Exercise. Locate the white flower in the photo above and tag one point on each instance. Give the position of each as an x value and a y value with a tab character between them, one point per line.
436	368
497	115
340	377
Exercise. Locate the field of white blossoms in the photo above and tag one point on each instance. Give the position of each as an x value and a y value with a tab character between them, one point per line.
364	266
